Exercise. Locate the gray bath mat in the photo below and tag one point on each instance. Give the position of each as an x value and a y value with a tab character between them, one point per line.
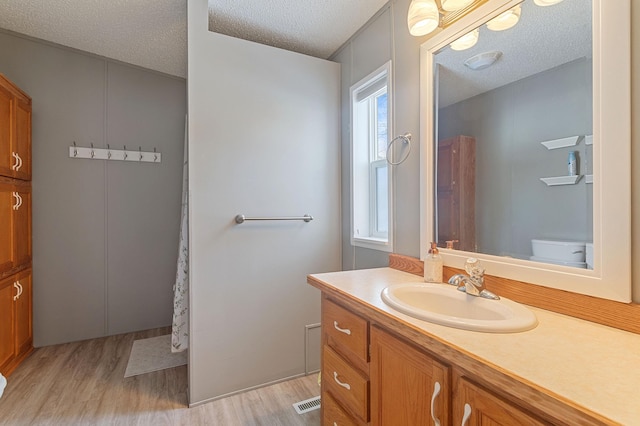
153	354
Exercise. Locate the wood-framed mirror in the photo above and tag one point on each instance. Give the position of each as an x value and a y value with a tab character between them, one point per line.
609	193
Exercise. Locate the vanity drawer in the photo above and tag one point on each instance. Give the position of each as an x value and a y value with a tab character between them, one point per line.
345	383
334	415
346	332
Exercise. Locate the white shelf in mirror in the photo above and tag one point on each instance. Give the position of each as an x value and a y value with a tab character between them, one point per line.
562	143
588	140
561	180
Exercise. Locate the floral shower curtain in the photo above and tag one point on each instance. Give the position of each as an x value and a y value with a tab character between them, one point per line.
180	326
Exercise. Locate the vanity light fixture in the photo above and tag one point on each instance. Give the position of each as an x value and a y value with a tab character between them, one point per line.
423	17
483	60
453	5
546	2
466	41
505	20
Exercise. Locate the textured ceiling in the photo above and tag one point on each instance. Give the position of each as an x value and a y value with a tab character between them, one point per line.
314	27
544	38
153	33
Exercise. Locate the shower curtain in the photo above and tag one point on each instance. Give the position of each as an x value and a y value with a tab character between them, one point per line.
180	326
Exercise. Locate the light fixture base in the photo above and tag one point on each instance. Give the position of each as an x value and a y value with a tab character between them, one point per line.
483	60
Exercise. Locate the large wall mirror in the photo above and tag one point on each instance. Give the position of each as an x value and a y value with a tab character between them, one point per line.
525	135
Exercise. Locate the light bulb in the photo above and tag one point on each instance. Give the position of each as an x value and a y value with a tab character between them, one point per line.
466	41
505	20
546	2
423	17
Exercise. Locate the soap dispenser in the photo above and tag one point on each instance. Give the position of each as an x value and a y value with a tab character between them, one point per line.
433	265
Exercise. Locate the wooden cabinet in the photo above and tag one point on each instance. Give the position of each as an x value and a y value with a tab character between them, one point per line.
475	406
345	366
408	386
16	340
394	382
16	326
15	225
456	192
15	131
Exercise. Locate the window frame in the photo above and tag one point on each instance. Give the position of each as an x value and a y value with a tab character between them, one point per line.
374	239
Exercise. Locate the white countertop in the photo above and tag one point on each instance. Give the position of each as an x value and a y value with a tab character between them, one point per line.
592	365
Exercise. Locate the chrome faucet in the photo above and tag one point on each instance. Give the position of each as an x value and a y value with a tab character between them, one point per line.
474	283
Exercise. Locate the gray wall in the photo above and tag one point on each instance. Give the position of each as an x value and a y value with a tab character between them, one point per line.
105	234
383	38
512	205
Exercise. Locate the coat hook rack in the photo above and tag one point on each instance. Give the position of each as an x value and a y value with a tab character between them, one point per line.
107	153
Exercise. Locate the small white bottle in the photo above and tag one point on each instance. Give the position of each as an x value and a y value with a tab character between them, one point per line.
433	265
572	164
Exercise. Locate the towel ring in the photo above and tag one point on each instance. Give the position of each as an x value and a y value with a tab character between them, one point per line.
406	138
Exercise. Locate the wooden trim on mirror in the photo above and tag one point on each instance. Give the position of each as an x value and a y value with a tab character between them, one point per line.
624	316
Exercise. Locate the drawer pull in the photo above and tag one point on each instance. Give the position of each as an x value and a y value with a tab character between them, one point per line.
15	157
18	288
347	386
342	330
467	414
436	392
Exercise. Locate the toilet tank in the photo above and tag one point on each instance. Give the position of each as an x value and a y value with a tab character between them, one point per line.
565	251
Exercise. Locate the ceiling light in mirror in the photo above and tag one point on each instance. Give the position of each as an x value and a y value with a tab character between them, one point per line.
452	5
423	17
546	2
505	20
466	41
483	60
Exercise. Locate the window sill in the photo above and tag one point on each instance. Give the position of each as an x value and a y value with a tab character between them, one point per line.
373	244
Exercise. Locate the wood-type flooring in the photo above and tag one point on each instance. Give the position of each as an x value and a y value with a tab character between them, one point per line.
82	383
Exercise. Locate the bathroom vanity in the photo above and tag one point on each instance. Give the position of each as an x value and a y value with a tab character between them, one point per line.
380	366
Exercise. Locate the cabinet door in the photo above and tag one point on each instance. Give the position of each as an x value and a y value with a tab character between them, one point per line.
7	202
22	140
6	159
23	312
475	406
7	292
22	225
406	383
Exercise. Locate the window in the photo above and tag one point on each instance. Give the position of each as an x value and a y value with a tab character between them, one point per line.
370	174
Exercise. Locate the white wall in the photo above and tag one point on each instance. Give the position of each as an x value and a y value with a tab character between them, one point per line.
263	141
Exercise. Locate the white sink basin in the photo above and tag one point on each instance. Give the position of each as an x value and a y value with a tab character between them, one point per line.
443	304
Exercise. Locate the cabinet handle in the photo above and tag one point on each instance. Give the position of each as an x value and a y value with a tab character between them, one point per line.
17	291
342	330
15	157
18	200
347	386
466	415
436	392
19	162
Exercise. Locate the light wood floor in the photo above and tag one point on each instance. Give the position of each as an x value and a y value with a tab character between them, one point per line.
83	383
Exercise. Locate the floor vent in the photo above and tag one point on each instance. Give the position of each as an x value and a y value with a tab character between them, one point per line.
307	405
